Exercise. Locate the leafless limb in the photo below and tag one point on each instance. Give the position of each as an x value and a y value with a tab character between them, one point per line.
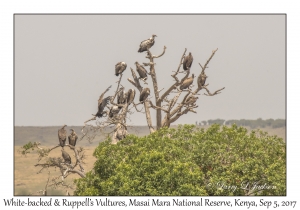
212	94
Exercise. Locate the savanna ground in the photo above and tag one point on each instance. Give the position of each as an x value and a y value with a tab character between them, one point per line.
26	179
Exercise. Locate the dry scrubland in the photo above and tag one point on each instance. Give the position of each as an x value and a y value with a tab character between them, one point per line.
28	181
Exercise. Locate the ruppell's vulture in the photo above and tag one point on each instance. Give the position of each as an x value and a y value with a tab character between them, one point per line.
114	110
120	67
102	102
66	156
187	62
62	136
144	94
72	138
187	82
121	98
202	79
147	44
130	96
141	70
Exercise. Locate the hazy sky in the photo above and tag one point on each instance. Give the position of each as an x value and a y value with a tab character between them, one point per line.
64	62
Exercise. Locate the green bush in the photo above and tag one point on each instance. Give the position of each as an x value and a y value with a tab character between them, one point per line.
189	161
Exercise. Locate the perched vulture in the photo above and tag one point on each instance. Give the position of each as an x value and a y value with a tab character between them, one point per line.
144	94
72	138
121	98
66	156
62	136
141	70
120	67
147	44
187	82
121	133
187	62
191	100
114	110
102	102
202	79
130	96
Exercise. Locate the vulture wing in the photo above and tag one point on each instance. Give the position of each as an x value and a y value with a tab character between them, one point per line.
102	95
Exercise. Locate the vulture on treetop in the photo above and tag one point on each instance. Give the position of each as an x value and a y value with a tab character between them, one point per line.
130	96
202	79
121	98
144	94
141	70
62	136
187	82
187	62
102	102
72	138
66	156
120	67
147	44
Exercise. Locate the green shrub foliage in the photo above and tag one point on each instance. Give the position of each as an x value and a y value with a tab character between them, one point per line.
189	161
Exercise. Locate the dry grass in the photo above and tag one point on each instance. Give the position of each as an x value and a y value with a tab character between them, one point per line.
28	181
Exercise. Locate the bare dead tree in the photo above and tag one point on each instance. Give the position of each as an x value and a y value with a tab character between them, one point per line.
178	99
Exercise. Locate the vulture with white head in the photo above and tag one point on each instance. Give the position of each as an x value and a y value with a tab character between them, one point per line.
147	44
120	67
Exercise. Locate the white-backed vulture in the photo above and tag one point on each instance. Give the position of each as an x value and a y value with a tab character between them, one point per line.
72	138
187	62
144	94
130	96
141	71
121	98
102	102
62	136
202	79
66	156
120	67
187	82
147	44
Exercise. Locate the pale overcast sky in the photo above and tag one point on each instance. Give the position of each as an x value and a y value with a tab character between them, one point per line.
64	62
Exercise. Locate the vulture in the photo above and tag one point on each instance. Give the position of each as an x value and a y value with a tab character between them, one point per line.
130	96
144	94
62	136
202	79
102	102
191	100
121	134
187	62
114	110
121	98
187	82
120	67
72	138
66	156
147	44
141	70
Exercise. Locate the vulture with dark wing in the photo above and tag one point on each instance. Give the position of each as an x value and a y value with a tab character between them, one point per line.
187	62
121	98
141	70
187	82
66	156
147	44
120	67
144	94
130	96
72	138
202	79
102	102
114	110
62	136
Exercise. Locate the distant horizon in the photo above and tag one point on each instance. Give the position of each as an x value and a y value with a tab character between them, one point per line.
154	125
